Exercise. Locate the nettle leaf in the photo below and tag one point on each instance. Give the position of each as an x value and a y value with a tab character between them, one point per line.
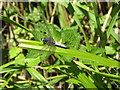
32	53
34	15
97	51
55	31
14	51
40	31
46	30
20	59
71	37
109	50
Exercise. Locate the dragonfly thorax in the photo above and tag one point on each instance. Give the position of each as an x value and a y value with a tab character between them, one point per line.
48	40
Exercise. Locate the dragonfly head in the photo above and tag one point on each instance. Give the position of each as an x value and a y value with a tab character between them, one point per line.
48	40
45	39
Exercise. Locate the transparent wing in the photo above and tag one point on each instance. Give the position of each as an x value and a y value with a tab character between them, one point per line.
42	31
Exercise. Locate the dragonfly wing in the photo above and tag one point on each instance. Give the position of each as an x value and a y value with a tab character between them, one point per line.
48	45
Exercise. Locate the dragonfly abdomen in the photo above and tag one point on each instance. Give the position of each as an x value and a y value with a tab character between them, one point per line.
61	45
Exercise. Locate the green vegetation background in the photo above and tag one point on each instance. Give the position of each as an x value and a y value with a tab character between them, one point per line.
89	29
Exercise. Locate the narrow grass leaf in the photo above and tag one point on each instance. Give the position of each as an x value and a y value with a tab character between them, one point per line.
78	54
105	74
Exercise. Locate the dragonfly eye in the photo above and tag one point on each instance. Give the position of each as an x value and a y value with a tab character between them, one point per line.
43	39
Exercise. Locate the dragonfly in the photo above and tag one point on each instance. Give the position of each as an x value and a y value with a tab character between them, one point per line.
51	41
49	34
47	38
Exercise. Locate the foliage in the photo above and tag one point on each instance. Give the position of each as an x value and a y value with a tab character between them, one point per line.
90	32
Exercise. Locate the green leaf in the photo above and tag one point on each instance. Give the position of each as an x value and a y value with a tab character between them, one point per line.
97	51
38	76
85	81
95	59
90	69
46	30
14	51
56	80
72	80
20	59
63	19
8	80
15	23
34	15
116	36
114	14
8	70
76	18
32	61
71	37
109	50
